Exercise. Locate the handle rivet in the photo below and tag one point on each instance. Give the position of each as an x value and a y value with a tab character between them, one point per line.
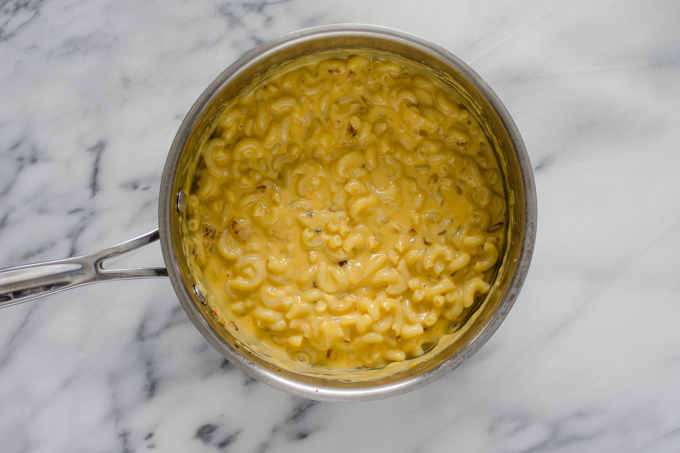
181	200
199	294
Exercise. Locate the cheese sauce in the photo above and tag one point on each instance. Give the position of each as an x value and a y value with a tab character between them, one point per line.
347	212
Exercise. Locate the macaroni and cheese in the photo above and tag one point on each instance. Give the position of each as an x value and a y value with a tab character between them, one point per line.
347	212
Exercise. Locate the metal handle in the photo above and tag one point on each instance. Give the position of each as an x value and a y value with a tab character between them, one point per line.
23	283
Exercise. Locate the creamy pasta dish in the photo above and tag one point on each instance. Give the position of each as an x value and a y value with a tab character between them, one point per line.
346	213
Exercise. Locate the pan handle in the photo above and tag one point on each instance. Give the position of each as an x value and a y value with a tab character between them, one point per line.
23	283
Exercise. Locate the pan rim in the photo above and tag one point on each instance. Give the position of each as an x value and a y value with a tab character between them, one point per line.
167	203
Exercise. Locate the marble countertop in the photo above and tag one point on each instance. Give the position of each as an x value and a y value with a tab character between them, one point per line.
91	95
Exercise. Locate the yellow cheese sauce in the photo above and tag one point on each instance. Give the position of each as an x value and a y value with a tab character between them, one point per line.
347	213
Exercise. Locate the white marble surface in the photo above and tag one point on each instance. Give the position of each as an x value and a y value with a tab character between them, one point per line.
91	94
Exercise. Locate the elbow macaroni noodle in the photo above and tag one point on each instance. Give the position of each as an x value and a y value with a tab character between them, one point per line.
347	213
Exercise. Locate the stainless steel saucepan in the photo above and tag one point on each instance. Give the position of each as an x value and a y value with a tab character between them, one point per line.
23	283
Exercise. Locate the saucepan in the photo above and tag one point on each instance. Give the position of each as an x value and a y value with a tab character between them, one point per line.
23	283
